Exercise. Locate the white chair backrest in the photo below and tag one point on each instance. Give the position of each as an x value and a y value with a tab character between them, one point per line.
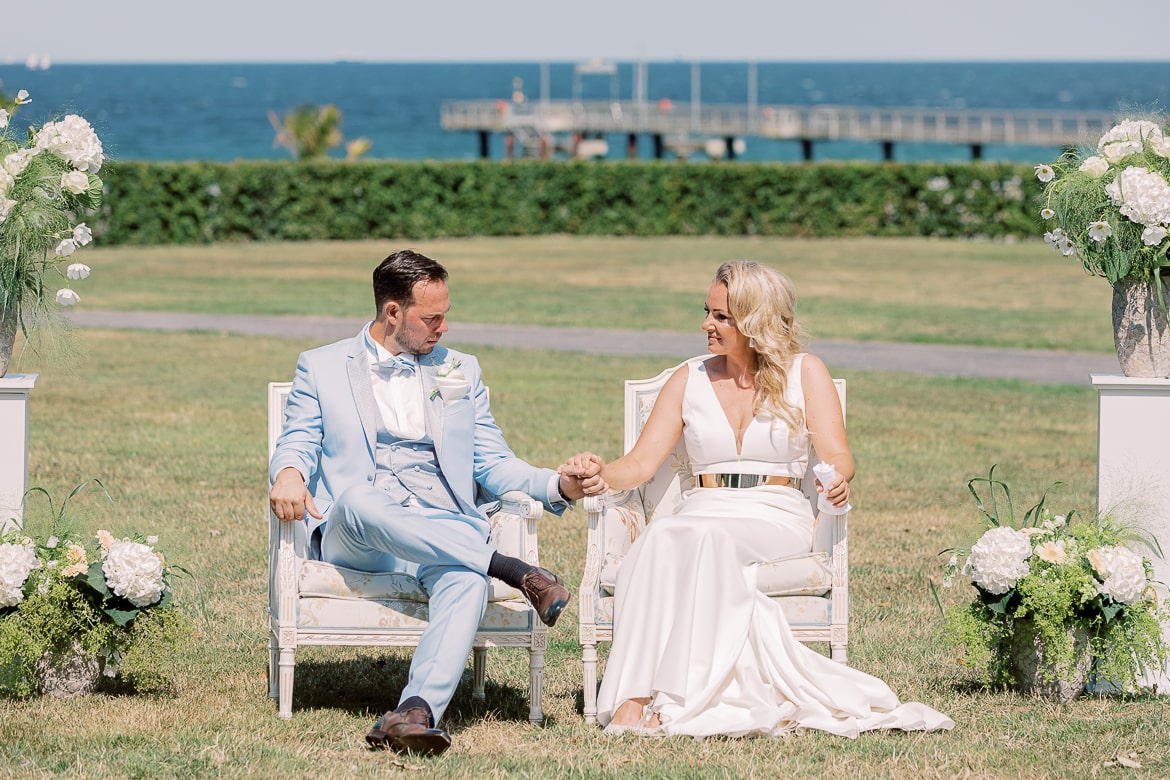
277	398
662	492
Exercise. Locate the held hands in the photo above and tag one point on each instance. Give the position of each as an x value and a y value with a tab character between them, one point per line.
581	475
290	498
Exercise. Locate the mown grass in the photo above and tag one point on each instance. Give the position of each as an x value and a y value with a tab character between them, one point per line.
950	292
174	426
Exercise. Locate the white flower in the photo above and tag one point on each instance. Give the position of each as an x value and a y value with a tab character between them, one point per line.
1066	246
52	542
82	234
3	118
1045	173
1123	571
1052	551
74	140
16	162
451	382
999	559
134	572
1054	237
16	562
938	183
1047	213
6	205
77	271
67	247
22	97
1153	235
1094	166
75	182
67	297
1127	138
106	540
1099	231
1142	196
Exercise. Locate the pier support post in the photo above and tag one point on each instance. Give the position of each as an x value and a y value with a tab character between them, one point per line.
509	146
632	146
658	146
888	151
806	149
729	141
976	151
484	144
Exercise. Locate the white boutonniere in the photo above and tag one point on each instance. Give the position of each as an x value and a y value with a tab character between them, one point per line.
451	382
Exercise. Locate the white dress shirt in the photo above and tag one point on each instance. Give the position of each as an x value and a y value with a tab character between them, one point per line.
399	397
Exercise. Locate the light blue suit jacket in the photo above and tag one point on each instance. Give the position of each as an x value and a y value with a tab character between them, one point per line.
330	431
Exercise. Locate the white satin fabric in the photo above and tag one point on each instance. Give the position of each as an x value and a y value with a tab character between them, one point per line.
716	656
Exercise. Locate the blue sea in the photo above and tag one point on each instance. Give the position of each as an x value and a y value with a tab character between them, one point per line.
220	112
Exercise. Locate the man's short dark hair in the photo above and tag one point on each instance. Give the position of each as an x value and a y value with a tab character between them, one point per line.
396	276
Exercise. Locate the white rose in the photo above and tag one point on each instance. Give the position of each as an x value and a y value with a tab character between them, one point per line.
75	182
999	559
134	572
1094	166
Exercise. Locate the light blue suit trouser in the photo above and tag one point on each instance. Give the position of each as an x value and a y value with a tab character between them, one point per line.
449	555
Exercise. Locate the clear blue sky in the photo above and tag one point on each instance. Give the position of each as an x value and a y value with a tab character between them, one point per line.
72	31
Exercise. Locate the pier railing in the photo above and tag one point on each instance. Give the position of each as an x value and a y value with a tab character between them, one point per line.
812	123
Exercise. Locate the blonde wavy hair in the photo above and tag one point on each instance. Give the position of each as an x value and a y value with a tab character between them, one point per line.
763	303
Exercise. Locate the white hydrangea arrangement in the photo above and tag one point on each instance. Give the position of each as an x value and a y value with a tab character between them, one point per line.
1110	205
108	595
1050	574
48	181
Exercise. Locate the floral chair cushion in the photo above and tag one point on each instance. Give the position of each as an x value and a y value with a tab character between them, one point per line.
325	580
802	575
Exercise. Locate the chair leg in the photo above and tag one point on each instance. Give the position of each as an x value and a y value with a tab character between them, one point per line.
288	661
273	680
589	668
479	673
536	685
838	653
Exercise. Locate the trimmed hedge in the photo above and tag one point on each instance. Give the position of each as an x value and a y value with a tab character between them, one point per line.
184	203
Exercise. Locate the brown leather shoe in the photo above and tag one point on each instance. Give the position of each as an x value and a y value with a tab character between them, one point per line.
547	593
408	731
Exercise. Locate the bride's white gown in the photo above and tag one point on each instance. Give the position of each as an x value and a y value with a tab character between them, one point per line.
692	632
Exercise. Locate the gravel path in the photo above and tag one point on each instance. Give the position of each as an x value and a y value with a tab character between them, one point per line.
1033	365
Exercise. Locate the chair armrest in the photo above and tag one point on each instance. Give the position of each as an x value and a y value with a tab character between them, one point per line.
615	521
514	525
286	550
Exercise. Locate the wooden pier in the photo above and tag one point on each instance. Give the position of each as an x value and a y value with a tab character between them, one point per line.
543	127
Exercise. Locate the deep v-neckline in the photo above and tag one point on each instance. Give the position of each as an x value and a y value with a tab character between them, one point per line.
735	437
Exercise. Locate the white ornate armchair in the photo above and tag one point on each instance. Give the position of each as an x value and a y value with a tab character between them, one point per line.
812	589
311	602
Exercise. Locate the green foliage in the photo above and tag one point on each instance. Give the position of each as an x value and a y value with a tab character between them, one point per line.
66	599
184	203
1065	587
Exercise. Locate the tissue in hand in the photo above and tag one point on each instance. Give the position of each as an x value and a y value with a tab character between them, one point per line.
827	475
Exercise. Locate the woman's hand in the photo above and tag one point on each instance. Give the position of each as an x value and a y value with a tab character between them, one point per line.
837	493
585	468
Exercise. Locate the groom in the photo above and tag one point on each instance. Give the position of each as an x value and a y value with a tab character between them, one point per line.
387	440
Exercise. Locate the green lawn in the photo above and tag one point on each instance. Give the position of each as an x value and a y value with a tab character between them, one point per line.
174	425
950	292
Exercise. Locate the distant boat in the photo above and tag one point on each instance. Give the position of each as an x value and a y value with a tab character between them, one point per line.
38	62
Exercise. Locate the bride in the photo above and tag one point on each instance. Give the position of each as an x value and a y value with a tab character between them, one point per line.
697	649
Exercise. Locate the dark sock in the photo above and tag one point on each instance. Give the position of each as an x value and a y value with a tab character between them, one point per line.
417	702
509	570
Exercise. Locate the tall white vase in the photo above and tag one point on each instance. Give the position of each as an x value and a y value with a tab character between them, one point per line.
14	392
1133	461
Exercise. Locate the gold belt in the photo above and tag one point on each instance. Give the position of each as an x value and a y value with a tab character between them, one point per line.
744	480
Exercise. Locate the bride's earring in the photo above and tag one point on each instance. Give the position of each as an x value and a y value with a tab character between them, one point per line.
752	343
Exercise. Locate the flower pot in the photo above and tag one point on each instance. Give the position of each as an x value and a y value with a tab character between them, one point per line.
1139	329
1037	675
9	322
69	671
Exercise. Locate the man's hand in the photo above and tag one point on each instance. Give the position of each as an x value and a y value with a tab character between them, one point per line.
290	498
581	476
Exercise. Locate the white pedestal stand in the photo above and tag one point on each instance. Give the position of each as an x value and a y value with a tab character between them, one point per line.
14	390
1133	468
